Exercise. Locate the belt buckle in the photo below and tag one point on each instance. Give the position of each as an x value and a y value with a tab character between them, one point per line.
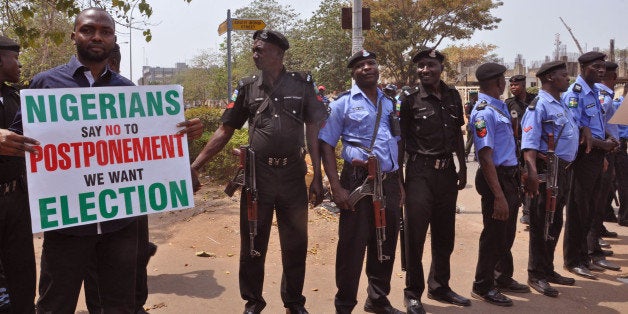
440	164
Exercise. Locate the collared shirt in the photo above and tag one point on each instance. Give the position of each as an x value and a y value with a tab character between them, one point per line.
623	129
352	118
550	115
431	125
491	121
277	131
72	75
608	109
586	106
11	167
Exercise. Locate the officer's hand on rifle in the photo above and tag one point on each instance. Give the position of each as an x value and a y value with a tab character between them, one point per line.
193	128
13	144
340	197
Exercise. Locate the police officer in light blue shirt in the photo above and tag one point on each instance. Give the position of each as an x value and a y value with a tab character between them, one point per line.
364	119
621	168
546	115
497	181
583	99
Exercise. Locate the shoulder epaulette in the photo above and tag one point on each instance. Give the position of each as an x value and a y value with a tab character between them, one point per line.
304	76
347	92
481	105
532	104
411	91
247	80
576	88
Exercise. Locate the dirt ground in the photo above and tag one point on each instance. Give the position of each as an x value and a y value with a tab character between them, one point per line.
181	282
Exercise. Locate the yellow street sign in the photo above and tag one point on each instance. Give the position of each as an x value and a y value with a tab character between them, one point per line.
222	28
247	25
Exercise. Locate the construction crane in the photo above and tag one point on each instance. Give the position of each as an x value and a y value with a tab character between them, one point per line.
572	36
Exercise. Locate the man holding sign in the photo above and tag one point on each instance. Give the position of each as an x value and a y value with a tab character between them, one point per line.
67	252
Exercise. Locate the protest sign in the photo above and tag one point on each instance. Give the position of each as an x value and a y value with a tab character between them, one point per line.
105	153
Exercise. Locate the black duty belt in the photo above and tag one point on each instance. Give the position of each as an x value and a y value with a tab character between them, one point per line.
437	162
9	187
361	171
507	170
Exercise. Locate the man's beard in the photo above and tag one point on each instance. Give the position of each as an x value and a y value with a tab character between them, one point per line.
87	55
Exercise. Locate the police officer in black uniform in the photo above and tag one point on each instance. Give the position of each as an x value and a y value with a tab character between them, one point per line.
468	107
431	121
277	104
16	240
517	105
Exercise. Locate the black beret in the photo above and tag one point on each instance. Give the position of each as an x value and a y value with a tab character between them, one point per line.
359	56
610	66
429	53
548	67
517	78
273	37
7	43
489	70
591	56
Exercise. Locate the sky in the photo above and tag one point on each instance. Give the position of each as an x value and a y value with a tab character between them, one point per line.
528	27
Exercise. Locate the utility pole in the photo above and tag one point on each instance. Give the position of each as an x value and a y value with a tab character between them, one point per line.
357	38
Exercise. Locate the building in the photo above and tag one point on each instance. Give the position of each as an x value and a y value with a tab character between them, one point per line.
159	75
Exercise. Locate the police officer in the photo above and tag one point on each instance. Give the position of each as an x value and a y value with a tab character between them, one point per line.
16	240
276	104
621	167
582	98
365	119
545	115
517	106
431	121
597	230
497	182
468	107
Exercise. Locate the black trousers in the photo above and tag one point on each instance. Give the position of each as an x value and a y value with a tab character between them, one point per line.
621	179
16	250
584	187
64	264
356	232
430	201
92	294
541	251
599	208
495	263
281	191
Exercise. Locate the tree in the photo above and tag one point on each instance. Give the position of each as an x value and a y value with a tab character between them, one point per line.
461	58
399	28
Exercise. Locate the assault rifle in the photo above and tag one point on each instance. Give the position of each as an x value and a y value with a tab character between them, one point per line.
245	177
551	186
373	186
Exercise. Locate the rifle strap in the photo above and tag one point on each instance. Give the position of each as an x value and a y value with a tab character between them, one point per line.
263	107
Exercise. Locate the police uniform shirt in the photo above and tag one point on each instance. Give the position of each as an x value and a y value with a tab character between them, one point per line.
12	166
352	117
606	99
550	116
430	125
519	106
278	131
585	104
623	129
492	128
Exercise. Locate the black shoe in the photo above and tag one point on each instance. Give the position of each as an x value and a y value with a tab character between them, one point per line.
449	297
543	287
610	217
493	297
607	252
593	267
525	219
556	278
602	262
513	286
372	307
297	309
623	223
603	243
414	306
608	234
582	271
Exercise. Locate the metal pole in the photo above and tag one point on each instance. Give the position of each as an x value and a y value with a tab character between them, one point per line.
358	39
229	27
131	42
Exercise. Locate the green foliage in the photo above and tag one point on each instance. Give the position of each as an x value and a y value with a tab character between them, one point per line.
209	116
533	90
224	164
